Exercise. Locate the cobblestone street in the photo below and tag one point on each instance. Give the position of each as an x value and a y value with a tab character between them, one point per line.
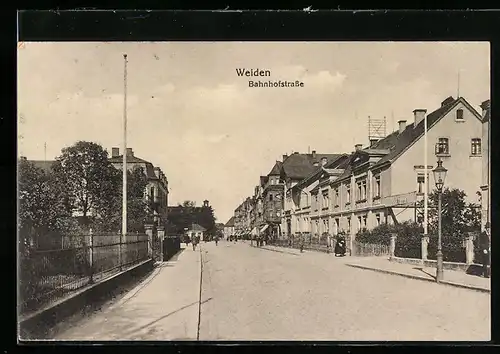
271	295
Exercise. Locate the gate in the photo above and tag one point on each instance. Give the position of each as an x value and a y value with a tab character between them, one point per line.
171	245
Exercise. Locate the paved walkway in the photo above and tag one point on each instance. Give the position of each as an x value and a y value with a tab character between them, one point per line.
450	277
165	306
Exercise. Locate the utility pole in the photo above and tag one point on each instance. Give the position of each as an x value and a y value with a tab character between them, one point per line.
426	181
124	197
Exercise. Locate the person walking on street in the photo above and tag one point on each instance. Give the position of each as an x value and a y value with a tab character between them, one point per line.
216	240
484	244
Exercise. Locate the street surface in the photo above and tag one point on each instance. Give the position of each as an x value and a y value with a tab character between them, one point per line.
257	294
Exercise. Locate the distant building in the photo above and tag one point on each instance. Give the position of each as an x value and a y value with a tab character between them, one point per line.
229	228
157	187
195	230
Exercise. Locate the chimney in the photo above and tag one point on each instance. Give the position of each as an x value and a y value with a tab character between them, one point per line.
419	115
24	158
285	156
485	106
324	160
314	153
115	152
373	141
358	147
447	101
402	126
130	152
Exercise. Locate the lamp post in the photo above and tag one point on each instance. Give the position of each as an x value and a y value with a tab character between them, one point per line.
439	178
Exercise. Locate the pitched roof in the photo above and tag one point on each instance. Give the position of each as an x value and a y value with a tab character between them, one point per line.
131	159
196	227
276	170
337	163
150	170
45	165
230	222
398	143
486	106
299	166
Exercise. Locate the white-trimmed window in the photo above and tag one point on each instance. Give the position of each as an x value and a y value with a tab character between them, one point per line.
376	192
475	146
443	146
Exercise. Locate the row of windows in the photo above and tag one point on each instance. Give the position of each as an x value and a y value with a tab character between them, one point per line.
362	221
443	146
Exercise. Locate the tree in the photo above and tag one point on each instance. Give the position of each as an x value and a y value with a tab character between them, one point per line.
88	178
457	219
41	202
138	207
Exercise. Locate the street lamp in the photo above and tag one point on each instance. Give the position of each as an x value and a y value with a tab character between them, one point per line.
439	178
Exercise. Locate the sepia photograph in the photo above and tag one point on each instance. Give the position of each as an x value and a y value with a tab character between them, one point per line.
254	191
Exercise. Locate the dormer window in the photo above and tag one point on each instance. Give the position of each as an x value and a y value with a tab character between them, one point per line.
460	114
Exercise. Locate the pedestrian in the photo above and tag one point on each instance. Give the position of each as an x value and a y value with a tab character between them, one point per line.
216	240
340	247
484	245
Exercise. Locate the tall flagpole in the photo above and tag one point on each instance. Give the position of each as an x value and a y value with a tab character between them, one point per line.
425	178
124	196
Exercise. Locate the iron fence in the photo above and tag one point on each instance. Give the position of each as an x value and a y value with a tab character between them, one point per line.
47	275
370	249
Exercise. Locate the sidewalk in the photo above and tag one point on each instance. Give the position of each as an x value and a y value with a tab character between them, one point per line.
450	277
164	306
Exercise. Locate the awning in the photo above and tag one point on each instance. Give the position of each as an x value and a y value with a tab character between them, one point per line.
264	228
254	231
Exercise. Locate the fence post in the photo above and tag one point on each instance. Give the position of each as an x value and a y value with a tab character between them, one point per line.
161	235
469	248
91	255
424	245
149	231
393	245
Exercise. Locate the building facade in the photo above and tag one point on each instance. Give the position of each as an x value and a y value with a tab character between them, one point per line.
157	188
486	158
229	228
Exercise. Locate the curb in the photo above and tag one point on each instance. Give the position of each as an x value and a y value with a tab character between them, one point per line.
469	287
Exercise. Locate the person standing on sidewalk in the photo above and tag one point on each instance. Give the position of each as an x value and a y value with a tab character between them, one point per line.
484	244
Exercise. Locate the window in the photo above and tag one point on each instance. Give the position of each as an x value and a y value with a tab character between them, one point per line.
421	183
349	224
460	114
337	225
377	216
443	147
377	187
270	197
325	200
363	224
348	194
337	199
152	192
361	191
475	146
359	223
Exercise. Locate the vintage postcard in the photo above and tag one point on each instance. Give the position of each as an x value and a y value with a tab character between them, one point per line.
229	191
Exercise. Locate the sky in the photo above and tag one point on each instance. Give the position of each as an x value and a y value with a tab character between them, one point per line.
190	114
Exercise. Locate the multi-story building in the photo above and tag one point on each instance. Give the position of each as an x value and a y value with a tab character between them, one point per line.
242	218
283	176
486	154
157	188
385	181
312	199
229	228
